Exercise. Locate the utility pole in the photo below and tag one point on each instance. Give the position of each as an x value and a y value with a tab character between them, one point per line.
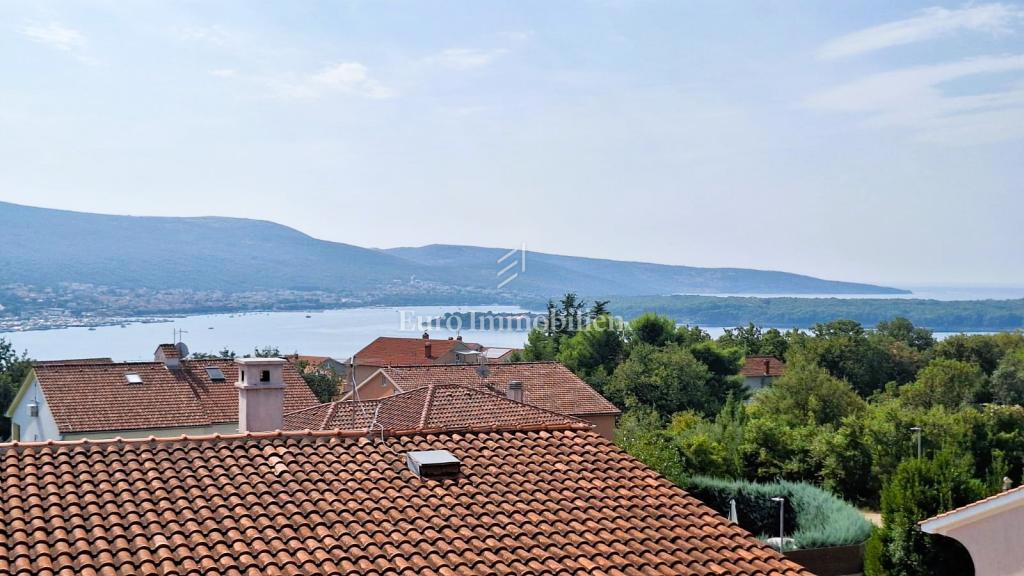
917	430
782	506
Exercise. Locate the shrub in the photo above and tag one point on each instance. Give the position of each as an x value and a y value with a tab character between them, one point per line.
813	517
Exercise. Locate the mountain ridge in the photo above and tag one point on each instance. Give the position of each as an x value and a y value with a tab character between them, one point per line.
44	247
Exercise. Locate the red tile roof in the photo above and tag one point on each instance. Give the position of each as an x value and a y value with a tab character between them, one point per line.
433	407
387	351
549	501
758	366
95	397
975	505
169	351
547	385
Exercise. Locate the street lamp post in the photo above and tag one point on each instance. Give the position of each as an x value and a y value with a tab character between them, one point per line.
782	504
917	430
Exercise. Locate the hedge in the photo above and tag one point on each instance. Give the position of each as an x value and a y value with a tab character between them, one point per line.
813	517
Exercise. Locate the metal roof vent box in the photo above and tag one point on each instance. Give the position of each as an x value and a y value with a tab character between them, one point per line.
433	464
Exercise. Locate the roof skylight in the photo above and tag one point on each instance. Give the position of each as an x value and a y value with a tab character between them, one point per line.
133	378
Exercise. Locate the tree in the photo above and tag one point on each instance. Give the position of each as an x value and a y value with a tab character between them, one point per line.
948	383
919	489
594	352
652	329
668	379
1008	379
13	370
843	348
755	342
808	394
981	349
324	386
902	330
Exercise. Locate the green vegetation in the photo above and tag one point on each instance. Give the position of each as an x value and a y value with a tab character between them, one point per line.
972	315
840	419
13	369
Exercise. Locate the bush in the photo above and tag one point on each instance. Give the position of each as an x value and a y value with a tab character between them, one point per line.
813	517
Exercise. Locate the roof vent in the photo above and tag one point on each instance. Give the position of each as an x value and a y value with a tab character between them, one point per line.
433	464
33	410
133	378
515	391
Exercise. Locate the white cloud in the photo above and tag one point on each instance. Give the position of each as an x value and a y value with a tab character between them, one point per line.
466	58
215	35
351	78
914	98
56	36
930	23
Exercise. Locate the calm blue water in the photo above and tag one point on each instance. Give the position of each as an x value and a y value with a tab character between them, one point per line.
336	333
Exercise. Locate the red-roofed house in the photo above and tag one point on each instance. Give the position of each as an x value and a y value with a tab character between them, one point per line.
547	385
761	371
388	351
168	397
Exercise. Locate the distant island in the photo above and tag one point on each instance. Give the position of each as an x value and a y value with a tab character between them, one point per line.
937	315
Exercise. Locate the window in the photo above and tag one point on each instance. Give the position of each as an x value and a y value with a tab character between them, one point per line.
264	375
215	374
133	378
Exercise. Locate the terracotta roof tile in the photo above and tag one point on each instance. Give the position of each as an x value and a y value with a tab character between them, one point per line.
758	366
433	407
547	385
97	397
553	501
388	351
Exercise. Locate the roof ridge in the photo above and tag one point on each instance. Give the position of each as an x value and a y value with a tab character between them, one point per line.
339	433
428	401
457	365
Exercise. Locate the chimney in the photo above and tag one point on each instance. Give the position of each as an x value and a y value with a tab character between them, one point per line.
170	355
260	394
426	335
426	348
459	337
767	367
515	391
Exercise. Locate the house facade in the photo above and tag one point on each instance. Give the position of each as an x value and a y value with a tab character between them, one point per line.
991	530
760	371
171	396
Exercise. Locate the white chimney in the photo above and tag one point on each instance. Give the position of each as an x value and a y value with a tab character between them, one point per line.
515	391
260	394
170	355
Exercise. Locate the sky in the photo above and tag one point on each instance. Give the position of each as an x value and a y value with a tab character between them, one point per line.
867	141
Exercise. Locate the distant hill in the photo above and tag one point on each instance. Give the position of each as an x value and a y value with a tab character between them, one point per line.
44	247
550	274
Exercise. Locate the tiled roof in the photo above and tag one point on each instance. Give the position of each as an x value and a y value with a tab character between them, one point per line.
548	385
72	361
434	407
548	501
387	351
95	397
758	366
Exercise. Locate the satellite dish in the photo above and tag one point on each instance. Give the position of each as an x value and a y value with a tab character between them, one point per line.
182	349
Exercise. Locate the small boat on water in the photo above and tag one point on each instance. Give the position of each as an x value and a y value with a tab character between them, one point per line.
92	328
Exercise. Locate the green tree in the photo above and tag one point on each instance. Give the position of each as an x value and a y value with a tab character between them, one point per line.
594	352
667	379
652	329
754	341
919	489
1008	379
843	348
981	349
948	383
13	370
902	330
807	394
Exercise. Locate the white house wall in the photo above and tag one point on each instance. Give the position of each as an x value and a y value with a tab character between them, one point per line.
33	429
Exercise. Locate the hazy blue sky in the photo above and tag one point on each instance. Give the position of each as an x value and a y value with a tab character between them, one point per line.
880	141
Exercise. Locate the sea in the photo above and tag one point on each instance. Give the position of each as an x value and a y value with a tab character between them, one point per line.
335	333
